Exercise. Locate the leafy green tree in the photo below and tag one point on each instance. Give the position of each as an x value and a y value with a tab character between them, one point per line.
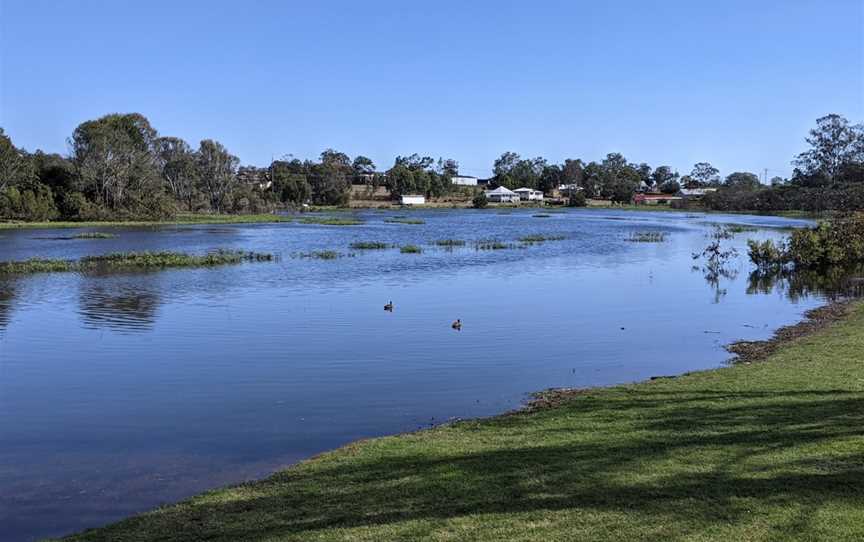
177	162
663	175
550	178
573	172
835	145
705	174
480	201
14	164
115	159
216	171
742	180
448	167
290	181
363	166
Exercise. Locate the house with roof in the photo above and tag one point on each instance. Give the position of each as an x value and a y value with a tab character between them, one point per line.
529	194
463	180
502	195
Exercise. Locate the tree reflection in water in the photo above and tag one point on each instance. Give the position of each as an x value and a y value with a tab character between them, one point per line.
7	297
833	283
120	302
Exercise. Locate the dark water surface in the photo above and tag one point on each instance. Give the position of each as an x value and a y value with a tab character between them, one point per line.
123	391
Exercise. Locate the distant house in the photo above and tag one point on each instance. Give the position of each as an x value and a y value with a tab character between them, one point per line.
695	193
502	195
413	199
464	180
567	190
654	199
529	194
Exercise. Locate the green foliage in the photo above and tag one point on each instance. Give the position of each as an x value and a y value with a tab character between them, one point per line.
767	254
94	235
492	244
410	249
480	201
320	255
33	203
839	241
577	199
133	260
534	239
35	265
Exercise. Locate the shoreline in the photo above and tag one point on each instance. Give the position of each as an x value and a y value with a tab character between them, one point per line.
547	404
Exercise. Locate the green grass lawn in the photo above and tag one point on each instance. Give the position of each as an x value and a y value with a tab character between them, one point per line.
179	220
772	450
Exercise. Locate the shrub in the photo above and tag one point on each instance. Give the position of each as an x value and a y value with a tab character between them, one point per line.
410	249
577	199
480	201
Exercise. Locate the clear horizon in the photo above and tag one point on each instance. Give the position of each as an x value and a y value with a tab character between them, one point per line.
735	85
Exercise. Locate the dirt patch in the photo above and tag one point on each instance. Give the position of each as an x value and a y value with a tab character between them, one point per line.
815	320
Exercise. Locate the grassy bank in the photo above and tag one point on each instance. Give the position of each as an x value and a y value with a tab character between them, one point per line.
179	220
769	450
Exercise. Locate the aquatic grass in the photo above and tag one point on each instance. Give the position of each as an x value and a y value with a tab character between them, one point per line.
369	245
541	215
534	239
171	259
94	235
762	451
450	243
410	249
331	221
404	221
492	244
647	237
179	220
136	260
36	265
320	255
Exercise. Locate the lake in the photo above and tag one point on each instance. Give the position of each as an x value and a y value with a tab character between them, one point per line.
122	391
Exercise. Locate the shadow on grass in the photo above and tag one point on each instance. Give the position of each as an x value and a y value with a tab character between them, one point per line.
695	459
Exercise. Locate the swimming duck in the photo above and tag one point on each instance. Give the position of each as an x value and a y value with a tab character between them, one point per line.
389	306
457	324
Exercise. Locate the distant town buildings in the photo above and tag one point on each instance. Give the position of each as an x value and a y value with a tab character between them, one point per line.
413	199
529	194
464	180
502	195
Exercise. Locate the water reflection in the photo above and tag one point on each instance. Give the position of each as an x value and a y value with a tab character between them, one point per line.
831	283
7	296
122	303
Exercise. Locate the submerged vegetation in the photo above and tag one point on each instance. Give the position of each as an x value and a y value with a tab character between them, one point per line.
450	243
535	239
369	245
737	453
136	260
95	235
410	249
647	237
332	220
492	244
400	220
320	255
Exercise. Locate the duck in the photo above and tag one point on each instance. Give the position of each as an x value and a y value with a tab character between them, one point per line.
389	306
457	324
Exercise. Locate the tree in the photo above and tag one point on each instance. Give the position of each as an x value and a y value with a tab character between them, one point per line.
573	172
778	181
705	174
448	167
177	163
400	180
505	164
290	181
670	186
115	159
415	162
835	145
14	166
550	178
480	201
363	166
216	169
742	180
335	159
644	171
663	175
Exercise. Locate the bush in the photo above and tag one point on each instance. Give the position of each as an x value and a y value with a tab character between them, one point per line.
480	201
34	203
836	242
577	199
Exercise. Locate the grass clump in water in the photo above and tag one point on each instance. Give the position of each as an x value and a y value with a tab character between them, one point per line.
411	249
647	237
171	259
331	221
36	265
533	239
369	245
492	244
404	221
94	235
542	215
450	243
321	255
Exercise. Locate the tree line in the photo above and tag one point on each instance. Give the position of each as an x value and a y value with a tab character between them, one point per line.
119	167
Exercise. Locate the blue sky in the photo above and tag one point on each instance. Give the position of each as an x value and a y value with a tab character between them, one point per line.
736	83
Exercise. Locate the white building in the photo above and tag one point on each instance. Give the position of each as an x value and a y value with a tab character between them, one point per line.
464	180
502	195
529	194
413	199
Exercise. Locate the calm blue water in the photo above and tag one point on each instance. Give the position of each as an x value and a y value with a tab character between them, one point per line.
120	392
